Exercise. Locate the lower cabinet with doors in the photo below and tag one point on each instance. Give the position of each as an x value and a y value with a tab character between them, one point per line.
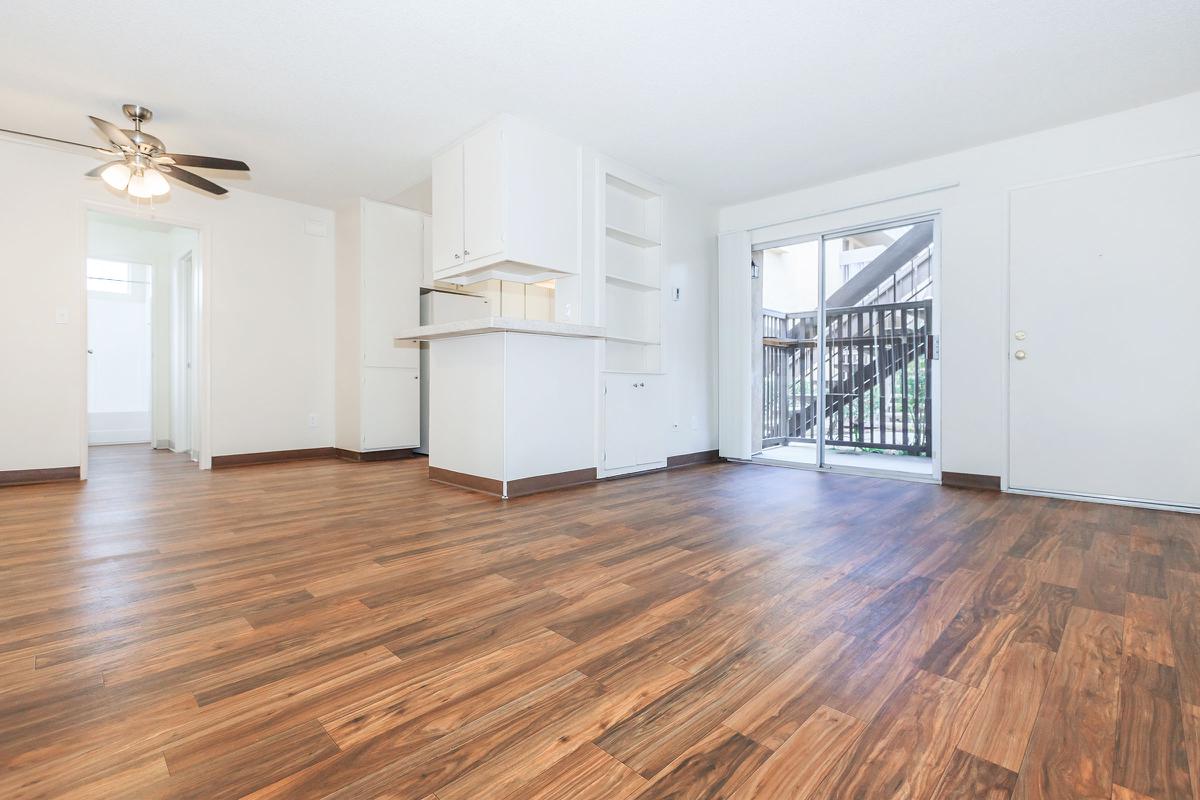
634	423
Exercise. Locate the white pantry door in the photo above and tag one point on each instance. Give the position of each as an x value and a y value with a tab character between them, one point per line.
1103	358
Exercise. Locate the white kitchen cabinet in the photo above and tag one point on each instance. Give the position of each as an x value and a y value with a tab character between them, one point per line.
392	253
448	210
380	266
389	396
634	434
483	194
506	205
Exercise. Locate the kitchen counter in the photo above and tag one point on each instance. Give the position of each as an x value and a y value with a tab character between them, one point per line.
512	402
475	327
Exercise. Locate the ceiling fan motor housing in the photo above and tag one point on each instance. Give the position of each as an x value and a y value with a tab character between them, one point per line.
138	114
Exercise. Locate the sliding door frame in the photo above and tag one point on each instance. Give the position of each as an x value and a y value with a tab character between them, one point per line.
935	396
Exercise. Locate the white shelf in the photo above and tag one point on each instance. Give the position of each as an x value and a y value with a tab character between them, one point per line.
629	237
631	218
632	283
639	192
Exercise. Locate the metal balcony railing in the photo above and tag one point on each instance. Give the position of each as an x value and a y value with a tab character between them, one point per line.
878	377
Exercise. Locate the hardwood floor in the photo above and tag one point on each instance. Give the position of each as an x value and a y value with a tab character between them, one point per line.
352	630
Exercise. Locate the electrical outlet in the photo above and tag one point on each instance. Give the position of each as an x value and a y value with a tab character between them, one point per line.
60	316
312	420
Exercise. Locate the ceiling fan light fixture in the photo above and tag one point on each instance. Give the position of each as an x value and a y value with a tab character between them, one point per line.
148	183
117	175
157	183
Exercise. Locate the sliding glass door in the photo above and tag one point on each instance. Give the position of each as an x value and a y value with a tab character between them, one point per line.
848	349
790	292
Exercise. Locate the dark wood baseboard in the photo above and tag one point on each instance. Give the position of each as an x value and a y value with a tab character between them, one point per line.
687	459
374	455
542	483
969	480
272	457
465	481
18	477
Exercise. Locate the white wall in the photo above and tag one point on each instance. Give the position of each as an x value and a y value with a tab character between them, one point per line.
271	306
974	242
689	263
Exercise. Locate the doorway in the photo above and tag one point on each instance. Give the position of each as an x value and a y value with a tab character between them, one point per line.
143	335
846	375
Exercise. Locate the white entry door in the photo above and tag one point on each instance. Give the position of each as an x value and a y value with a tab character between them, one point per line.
1104	377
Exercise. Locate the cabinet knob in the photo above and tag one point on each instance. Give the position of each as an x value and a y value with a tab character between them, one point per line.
466	252
1019	355
457	257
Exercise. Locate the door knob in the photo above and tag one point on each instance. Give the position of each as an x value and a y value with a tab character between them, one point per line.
1019	355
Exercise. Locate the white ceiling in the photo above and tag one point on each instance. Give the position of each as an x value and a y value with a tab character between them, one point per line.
733	99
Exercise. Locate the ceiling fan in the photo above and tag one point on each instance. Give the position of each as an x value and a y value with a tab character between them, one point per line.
143	160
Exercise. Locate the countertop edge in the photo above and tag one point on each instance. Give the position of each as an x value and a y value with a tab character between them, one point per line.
475	327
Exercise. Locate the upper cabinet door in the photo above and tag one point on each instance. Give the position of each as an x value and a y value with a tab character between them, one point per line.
391	275
483	179
448	209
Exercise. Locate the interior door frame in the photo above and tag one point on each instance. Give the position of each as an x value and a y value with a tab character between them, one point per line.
191	346
203	273
1009	331
935	434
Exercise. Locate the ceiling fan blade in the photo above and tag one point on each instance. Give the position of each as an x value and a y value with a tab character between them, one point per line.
207	162
195	180
95	173
114	134
60	141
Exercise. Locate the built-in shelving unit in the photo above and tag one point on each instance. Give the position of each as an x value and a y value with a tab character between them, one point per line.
631	216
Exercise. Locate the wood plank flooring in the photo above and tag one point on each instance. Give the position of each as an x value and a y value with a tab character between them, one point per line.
352	630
